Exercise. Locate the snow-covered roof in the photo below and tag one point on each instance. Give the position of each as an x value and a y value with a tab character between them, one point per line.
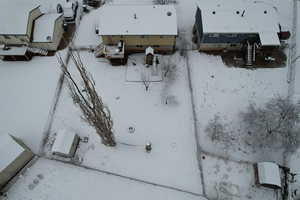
269	39
137	20
268	173
149	50
68	9
63	142
44	27
15	51
14	16
9	151
243	17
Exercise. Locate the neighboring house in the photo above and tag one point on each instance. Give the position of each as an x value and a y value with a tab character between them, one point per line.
220	27
14	155
28	31
139	27
48	31
17	22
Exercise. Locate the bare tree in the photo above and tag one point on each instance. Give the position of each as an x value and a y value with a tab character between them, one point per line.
217	132
94	112
276	124
145	77
168	67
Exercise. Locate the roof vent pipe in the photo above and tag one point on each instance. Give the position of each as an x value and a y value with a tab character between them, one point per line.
243	13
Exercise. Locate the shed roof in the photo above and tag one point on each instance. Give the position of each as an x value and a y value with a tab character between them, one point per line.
268	173
14	16
63	142
243	17
44	27
137	20
10	150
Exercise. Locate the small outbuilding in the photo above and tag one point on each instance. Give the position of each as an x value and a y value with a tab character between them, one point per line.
65	143
268	175
14	155
138	26
149	53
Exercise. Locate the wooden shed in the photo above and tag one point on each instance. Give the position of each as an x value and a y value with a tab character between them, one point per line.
65	143
14	155
267	174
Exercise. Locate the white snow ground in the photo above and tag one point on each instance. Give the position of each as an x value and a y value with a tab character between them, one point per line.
169	127
27	93
294	160
53	180
172	161
232	180
226	91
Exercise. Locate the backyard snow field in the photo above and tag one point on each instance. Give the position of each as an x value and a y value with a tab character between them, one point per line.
226	91
169	127
27	93
231	180
53	180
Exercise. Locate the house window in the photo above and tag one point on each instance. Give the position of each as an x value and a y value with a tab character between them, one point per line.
252	35
214	35
232	35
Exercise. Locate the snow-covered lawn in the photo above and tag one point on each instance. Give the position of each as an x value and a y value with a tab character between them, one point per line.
28	90
169	127
226	91
231	180
27	93
56	181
